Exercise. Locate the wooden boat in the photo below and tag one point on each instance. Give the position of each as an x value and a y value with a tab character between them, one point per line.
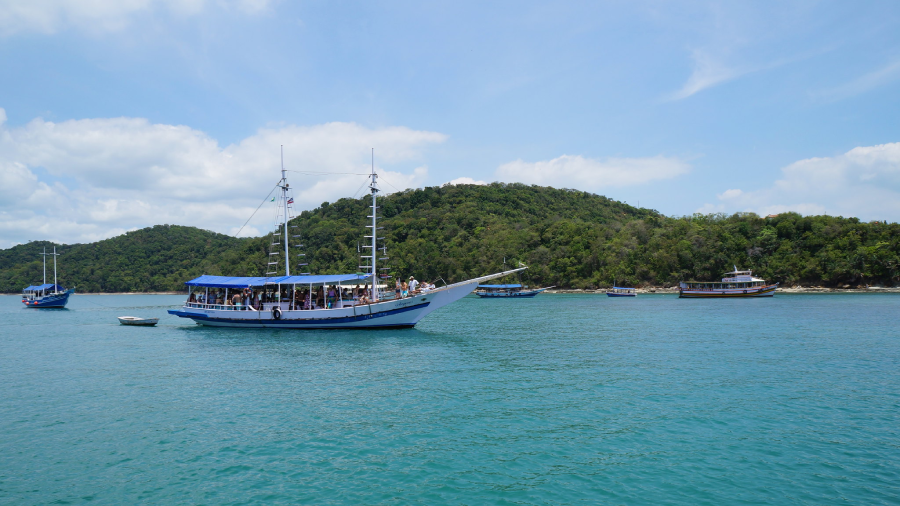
282	300
514	290
46	295
618	291
134	320
734	284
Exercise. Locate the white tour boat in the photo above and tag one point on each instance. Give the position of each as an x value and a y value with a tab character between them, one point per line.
734	284
333	301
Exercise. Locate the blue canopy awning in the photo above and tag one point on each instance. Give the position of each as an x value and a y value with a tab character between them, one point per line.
622	288
37	288
249	282
325	279
229	281
499	286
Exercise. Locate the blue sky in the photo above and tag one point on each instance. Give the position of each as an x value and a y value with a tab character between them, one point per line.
125	114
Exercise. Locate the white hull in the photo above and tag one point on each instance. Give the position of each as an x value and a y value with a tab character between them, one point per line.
133	320
388	314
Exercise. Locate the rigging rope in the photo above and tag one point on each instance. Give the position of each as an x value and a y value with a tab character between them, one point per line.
257	209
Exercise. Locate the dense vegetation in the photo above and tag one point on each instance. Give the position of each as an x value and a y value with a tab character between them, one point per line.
567	238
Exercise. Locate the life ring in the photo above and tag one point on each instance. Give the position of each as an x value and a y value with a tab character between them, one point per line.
276	313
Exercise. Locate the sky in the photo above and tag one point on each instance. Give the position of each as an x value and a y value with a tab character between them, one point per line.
121	114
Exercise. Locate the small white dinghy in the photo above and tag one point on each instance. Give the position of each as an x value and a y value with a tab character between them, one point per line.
134	320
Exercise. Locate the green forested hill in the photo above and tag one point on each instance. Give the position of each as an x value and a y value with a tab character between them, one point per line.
567	238
158	258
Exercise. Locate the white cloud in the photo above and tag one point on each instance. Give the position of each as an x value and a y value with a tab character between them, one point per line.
730	194
97	16
81	180
592	175
863	182
464	180
708	72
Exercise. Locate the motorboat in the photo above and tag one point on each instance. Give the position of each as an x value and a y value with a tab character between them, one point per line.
734	284
512	290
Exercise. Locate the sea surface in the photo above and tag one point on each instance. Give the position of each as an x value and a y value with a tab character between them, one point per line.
561	399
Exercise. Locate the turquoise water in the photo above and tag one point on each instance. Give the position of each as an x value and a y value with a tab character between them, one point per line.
561	399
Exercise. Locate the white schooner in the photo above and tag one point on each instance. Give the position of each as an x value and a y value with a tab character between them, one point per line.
305	301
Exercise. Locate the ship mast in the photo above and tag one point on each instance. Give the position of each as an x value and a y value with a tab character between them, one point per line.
44	254
54	269
284	199
373	186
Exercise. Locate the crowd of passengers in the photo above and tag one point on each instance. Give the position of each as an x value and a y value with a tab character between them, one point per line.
303	298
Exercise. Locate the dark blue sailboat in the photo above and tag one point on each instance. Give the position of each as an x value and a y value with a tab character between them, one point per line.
46	295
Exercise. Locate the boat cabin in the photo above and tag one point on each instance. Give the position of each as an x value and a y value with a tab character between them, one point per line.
730	280
289	293
499	289
621	291
35	291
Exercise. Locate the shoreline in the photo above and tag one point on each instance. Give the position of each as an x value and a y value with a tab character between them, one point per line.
114	293
598	291
796	289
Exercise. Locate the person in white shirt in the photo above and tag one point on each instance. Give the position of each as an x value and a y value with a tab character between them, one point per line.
413	284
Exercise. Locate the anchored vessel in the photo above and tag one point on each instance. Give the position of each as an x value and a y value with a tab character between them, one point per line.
618	291
305	301
46	295
515	290
734	284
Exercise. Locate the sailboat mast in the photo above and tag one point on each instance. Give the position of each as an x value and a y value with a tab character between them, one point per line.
54	268
44	254
284	190
374	188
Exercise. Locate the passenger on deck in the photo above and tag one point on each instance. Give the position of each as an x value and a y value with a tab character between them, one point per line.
398	290
404	292
255	302
413	285
364	295
192	298
236	299
320	297
332	296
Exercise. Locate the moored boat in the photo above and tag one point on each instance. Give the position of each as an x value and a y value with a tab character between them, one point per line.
734	284
46	295
512	290
134	320
618	291
305	301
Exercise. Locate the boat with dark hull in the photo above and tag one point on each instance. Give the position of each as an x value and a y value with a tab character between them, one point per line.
305	301
734	284
47	295
618	291
513	290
